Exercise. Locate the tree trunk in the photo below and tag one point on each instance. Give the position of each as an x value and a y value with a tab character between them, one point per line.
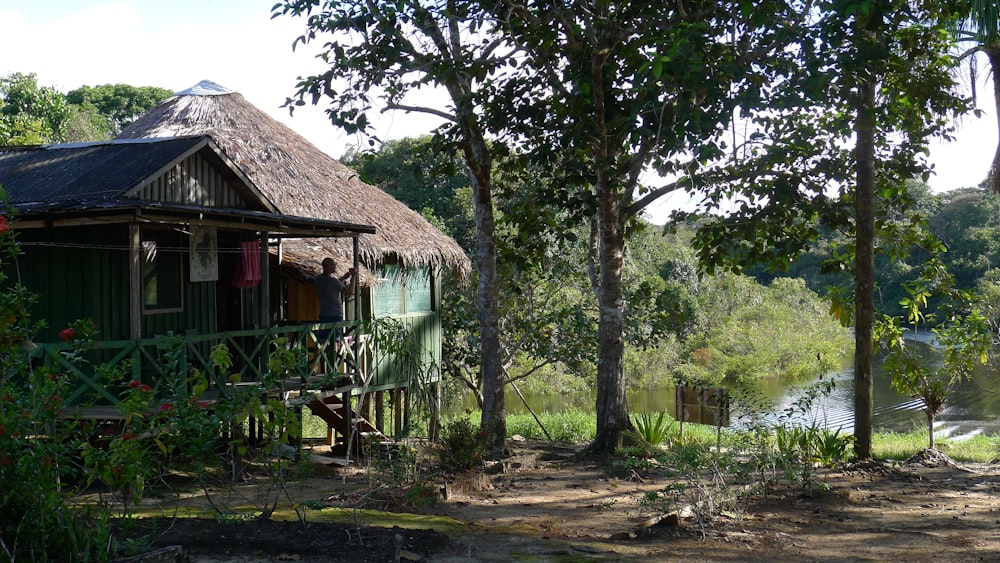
612	409
930	429
864	268
994	57
494	415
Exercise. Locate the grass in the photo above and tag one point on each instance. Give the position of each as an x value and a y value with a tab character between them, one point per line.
579	427
903	445
574	426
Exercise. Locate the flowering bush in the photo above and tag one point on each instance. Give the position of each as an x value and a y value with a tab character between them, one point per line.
38	446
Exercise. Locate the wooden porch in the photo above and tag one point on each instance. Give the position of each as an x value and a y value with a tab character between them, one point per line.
328	368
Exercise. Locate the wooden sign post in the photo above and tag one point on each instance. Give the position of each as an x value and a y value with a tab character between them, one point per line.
702	405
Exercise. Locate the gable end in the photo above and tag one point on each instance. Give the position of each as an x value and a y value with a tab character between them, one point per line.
196	181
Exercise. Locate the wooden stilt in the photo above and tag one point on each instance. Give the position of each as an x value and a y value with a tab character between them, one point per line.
435	422
406	407
397	410
380	411
366	407
348	418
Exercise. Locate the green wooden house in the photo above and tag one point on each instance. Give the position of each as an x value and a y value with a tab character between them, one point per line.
150	239
146	238
403	264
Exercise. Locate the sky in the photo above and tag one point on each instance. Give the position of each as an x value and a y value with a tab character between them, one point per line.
177	43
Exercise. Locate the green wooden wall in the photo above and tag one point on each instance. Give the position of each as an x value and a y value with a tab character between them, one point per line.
83	272
414	299
77	272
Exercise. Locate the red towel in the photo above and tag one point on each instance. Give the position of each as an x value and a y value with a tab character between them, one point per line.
248	266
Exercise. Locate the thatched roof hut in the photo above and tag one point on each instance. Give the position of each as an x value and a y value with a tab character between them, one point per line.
302	180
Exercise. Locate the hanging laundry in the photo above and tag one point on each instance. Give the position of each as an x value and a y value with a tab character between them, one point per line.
248	266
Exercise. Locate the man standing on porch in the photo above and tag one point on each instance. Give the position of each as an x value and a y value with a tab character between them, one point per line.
330	290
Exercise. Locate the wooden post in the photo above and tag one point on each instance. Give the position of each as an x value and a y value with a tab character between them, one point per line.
135	282
406	407
366	406
433	431
397	410
347	420
380	411
265	284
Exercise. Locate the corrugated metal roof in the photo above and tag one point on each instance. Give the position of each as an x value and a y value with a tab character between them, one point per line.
79	174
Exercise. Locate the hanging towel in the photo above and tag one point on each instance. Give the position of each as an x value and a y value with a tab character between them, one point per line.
248	265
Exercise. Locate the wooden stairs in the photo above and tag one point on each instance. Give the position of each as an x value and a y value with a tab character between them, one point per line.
331	410
326	399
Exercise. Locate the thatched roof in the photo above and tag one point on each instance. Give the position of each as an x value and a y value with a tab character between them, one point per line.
302	180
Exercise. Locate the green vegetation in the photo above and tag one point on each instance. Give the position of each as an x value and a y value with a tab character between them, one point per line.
653	429
576	426
902	446
32	114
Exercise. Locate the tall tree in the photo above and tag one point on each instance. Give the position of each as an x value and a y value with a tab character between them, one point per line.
383	51
848	125
426	179
610	90
121	104
31	113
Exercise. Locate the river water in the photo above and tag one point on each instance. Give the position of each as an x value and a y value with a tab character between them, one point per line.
972	408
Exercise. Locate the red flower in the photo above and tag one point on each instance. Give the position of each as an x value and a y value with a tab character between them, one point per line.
166	406
128	437
134	384
53	377
203	404
4	225
145	389
66	334
5	461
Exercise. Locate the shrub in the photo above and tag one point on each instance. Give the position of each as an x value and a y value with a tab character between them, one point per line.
461	446
654	430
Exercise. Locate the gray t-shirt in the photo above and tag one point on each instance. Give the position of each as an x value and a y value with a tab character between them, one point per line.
329	290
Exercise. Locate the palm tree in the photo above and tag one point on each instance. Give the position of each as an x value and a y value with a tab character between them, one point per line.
980	31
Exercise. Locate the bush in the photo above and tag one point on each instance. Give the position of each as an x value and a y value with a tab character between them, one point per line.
38	445
461	447
654	430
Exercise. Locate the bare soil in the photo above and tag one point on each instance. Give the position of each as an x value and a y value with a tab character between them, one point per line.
544	505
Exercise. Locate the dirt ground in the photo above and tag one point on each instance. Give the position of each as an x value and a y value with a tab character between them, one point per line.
542	505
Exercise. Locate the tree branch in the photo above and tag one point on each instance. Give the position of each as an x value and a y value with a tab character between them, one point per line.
420	109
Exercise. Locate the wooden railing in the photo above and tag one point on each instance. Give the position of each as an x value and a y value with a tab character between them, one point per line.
99	371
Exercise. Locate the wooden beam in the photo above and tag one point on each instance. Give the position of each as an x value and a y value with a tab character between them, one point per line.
135	282
265	283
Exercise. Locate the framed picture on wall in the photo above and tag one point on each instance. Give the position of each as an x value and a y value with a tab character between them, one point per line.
204	254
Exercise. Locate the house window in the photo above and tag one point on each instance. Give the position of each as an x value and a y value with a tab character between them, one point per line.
402	291
162	271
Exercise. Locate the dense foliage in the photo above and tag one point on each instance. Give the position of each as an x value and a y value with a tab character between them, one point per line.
32	114
965	220
679	325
